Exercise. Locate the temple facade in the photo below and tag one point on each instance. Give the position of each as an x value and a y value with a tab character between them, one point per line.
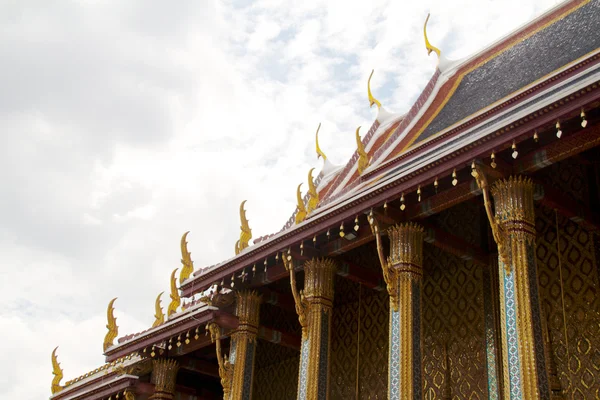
456	255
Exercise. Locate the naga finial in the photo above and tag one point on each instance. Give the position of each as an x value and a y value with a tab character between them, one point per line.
57	372
319	151
363	157
175	299
158	312
428	45
246	232
113	329
186	260
313	199
372	100
301	214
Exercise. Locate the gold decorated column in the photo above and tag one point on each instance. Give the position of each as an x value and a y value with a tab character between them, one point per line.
524	363
403	272
243	344
314	306
164	376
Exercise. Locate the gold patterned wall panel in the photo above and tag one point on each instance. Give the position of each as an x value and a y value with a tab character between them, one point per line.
453	316
275	372
581	363
344	339
374	336
372	352
280	319
463	220
569	177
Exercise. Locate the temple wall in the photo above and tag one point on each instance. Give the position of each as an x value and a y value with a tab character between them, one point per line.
453	317
276	367
579	252
373	349
275	372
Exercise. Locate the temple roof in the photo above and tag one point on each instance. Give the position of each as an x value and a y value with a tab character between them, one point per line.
463	102
461	90
522	71
509	69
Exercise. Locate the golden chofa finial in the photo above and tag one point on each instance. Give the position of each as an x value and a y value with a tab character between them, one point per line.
158	312
113	329
186	260
372	100
313	199
428	45
363	157
175	299
301	214
246	232
319	151
57	372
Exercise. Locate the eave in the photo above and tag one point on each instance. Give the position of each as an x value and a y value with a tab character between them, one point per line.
415	172
101	387
187	321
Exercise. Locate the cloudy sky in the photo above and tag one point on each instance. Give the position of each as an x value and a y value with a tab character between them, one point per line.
125	123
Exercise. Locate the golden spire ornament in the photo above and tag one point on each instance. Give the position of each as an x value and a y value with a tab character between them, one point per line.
113	329
186	260
313	199
57	372
363	157
175	299
430	48
372	100
246	232
301	214
158	312
319	151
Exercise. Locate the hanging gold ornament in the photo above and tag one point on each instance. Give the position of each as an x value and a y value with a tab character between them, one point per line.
454	180
515	153
583	120
558	130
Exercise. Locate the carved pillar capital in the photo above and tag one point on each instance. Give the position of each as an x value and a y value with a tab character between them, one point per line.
513	201
247	310
318	281
164	376
406	250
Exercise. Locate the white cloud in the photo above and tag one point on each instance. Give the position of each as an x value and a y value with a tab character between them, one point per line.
125	125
